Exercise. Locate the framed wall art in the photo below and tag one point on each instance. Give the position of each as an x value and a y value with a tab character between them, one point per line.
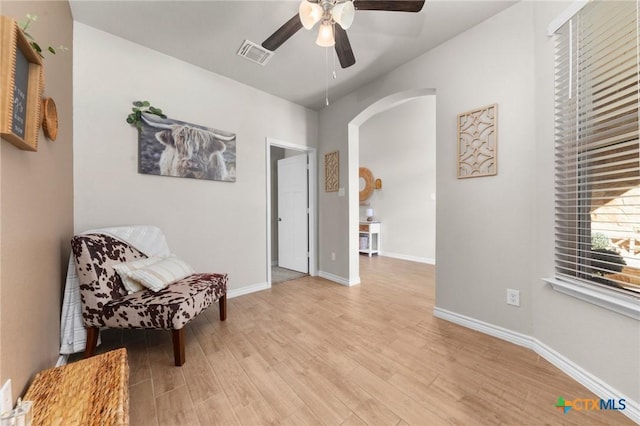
168	147
478	142
331	171
21	85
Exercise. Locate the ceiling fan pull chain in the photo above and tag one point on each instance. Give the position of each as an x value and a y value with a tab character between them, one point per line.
335	76
326	76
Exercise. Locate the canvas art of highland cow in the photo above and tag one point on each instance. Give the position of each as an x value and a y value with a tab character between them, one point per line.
169	147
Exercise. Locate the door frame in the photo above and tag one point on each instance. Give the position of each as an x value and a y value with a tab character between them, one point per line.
313	213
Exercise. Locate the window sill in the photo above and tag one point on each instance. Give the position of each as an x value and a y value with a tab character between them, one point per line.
608	299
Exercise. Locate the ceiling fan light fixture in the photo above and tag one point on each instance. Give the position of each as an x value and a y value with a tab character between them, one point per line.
310	13
325	35
343	14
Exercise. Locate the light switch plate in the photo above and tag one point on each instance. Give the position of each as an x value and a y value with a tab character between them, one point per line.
6	399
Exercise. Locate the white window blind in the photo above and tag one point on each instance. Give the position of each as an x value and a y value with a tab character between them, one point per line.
597	154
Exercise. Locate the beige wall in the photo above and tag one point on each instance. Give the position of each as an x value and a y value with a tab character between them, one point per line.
37	214
603	343
215	226
483	248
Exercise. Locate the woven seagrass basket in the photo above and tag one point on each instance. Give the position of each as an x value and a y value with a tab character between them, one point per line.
93	391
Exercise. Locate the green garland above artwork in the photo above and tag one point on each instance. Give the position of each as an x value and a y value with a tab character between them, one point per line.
139	107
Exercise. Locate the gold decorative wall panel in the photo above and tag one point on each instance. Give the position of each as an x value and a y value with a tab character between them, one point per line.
331	171
478	142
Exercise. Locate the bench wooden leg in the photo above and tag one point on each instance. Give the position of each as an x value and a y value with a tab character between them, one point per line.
92	341
178	346
223	307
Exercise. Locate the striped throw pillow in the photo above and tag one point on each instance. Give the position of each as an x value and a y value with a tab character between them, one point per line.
160	274
125	269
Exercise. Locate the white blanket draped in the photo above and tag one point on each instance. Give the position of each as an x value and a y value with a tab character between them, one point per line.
150	240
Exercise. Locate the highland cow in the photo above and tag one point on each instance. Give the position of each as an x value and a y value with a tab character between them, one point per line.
190	151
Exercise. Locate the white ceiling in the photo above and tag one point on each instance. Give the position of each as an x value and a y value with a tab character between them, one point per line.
209	33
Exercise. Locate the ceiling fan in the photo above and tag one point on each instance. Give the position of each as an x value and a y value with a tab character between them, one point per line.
332	12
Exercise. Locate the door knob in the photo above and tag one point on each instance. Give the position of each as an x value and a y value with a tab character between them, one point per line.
279	219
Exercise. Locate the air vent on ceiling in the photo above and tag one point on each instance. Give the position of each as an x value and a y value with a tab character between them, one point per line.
255	53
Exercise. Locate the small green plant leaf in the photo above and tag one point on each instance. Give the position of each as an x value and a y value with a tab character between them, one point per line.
140	107
24	26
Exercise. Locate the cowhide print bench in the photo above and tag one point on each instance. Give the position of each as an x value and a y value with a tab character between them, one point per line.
105	264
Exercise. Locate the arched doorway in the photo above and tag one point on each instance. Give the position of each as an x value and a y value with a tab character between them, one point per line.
375	108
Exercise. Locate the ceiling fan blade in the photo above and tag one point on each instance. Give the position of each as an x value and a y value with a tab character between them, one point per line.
343	47
283	33
390	5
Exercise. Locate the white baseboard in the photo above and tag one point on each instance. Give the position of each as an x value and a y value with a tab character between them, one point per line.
418	259
586	379
339	280
577	373
484	327
246	290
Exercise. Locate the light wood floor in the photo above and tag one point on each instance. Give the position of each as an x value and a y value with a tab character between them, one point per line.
313	352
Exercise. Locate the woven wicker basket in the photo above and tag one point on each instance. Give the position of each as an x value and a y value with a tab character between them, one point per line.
93	391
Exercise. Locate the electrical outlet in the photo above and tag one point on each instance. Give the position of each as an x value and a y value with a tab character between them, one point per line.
513	297
333	256
6	399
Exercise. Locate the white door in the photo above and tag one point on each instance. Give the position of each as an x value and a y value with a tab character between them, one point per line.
293	222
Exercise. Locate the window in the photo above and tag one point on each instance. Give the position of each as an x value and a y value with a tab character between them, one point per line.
597	154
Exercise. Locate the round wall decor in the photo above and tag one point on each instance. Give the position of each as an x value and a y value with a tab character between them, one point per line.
50	118
368	183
